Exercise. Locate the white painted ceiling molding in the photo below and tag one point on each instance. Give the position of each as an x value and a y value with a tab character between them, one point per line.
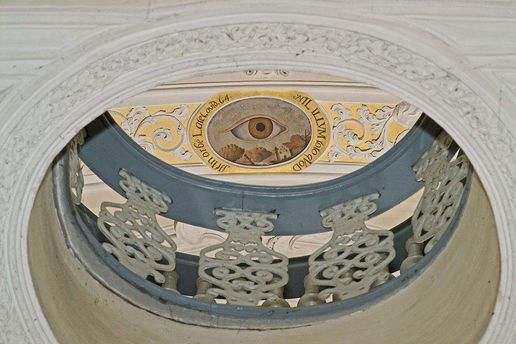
405	48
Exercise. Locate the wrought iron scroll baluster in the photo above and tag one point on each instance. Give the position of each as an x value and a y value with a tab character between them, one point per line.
355	259
241	269
444	187
76	178
134	235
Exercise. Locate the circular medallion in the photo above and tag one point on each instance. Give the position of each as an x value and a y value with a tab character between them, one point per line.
259	131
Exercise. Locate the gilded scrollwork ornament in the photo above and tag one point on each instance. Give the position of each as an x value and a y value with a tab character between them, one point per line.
241	269
367	136
133	234
355	259
158	132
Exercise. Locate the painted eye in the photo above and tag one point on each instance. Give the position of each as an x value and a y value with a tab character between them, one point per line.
257	128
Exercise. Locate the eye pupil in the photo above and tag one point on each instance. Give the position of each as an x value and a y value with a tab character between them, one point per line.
260	127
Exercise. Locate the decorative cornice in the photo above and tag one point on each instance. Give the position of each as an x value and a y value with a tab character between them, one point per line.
358	51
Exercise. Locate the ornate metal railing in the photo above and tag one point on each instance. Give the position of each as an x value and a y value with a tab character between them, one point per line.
126	250
355	259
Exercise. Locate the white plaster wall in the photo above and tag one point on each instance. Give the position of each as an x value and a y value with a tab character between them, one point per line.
36	33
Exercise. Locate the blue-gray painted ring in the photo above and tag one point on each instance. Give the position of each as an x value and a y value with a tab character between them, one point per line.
108	149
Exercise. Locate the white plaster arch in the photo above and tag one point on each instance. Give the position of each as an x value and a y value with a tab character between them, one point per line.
47	112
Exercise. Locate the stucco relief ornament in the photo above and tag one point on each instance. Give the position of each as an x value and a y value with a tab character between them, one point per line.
134	235
267	73
349	134
356	258
406	114
444	185
241	269
167	131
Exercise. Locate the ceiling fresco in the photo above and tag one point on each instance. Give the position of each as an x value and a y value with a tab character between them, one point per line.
262	131
266	131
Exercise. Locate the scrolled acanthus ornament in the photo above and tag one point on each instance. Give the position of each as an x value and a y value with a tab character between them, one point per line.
367	137
168	134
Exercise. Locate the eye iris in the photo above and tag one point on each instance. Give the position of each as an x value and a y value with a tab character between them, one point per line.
260	127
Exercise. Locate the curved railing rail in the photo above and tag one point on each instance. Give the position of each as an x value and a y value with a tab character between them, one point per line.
352	270
107	149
